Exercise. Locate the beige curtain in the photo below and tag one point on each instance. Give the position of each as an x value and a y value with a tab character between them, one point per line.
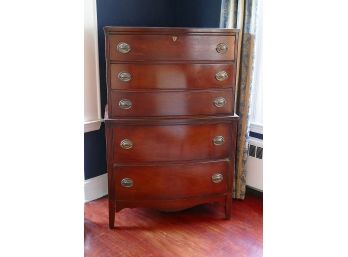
242	14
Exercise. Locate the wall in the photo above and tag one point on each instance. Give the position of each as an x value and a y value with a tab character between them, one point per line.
156	13
197	13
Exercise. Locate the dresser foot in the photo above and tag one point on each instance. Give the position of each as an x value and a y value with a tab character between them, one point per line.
228	203
112	209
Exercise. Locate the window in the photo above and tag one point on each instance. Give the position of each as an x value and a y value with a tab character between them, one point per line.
257	97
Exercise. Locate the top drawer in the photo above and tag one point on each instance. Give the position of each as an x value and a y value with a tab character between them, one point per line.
176	47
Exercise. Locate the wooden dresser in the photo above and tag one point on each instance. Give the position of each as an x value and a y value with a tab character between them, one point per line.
170	123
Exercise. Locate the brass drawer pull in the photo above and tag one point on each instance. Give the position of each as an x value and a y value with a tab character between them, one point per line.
217	178
219	101
124	76
127	182
125	104
221	48
123	47
126	144
221	75
219	140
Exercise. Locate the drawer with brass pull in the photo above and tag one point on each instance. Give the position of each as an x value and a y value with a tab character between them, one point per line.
133	76
170	181
176	46
150	103
187	142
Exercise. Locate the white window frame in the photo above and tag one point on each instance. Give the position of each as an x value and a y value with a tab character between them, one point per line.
92	112
256	124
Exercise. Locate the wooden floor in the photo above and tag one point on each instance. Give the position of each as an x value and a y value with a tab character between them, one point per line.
199	231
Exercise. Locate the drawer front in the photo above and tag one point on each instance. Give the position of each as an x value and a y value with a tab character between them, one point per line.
139	144
171	181
171	76
171	47
208	102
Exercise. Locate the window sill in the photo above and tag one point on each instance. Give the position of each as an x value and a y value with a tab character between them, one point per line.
92	125
256	128
256	131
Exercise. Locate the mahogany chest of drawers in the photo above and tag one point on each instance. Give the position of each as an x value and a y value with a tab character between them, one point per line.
170	123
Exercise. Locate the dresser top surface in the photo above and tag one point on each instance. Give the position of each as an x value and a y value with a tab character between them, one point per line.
115	29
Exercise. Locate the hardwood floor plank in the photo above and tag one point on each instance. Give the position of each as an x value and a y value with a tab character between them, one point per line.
201	231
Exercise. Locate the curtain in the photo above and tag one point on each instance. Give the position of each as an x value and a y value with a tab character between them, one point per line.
245	18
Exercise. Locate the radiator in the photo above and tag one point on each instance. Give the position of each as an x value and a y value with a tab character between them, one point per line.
254	165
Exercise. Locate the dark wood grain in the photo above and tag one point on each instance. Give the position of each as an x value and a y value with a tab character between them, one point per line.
196	232
168	103
171	76
171	205
170	120
171	143
168	182
162	47
110	161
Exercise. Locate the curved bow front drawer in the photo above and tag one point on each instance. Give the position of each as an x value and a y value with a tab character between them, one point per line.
153	143
170	181
149	103
126	76
142	47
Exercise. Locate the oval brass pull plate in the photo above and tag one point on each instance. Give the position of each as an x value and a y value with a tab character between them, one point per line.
127	182
123	48
221	75
221	48
217	177
125	104
219	140
219	101
126	144
124	76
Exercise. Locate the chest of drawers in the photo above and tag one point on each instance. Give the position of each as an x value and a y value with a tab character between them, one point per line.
170	123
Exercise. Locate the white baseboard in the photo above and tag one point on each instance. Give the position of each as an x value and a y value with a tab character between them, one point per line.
96	187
